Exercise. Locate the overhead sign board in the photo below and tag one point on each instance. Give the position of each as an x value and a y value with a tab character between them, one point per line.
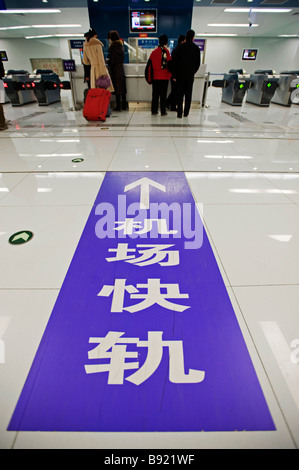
77	43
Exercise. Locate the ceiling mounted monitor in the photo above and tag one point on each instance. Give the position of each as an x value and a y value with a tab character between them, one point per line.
249	54
143	21
3	56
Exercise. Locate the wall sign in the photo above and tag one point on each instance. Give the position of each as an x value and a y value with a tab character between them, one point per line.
143	336
148	43
56	65
69	65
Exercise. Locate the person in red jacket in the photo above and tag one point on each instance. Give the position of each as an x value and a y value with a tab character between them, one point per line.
161	75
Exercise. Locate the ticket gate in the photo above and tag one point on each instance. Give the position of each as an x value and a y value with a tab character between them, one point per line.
287	84
263	86
18	87
46	86
234	85
295	92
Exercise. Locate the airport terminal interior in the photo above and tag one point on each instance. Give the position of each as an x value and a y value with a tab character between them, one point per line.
149	282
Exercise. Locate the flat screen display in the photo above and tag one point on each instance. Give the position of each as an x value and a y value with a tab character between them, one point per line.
249	54
3	56
143	21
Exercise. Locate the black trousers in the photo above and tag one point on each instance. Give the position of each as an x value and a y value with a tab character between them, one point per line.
159	91
184	90
171	101
121	102
2	117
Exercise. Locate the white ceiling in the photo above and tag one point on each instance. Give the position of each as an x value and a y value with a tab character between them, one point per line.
270	24
67	16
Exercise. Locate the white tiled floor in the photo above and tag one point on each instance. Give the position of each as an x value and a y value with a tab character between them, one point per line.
242	164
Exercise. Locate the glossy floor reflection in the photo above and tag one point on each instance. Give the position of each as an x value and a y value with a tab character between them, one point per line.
241	164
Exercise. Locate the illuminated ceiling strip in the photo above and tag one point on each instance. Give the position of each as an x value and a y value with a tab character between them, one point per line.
231	25
257	10
29	11
56	25
216	34
81	35
13	27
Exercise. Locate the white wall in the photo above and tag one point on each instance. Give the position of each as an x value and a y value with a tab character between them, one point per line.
20	51
223	54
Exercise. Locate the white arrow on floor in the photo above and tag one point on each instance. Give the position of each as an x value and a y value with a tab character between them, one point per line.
23	235
144	184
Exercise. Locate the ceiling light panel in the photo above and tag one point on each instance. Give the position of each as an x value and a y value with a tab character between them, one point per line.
232	25
216	34
5	28
56	25
39	37
29	11
257	10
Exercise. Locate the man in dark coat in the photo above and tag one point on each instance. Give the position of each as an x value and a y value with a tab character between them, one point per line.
171	101
3	124
115	61
186	64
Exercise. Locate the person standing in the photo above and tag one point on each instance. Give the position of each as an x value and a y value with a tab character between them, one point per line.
171	102
3	125
185	67
115	62
161	75
93	56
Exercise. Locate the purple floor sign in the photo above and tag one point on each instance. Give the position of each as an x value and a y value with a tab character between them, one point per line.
143	336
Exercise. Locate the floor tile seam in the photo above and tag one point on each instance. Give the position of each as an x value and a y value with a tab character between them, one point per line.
263	366
163	128
29	288
210	238
245	171
111	159
273	137
240	138
266	285
28	172
114	153
179	158
14	186
283	204
35	206
248	331
50	171
253	204
277	187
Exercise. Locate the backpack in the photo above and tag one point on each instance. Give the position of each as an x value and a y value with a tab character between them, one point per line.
149	72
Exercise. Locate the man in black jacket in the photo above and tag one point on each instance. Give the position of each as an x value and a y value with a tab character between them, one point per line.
3	124
186	64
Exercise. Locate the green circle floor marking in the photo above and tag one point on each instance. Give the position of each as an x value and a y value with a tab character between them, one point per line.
78	160
19	238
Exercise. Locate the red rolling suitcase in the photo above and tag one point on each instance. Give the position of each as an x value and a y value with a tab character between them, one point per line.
96	104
